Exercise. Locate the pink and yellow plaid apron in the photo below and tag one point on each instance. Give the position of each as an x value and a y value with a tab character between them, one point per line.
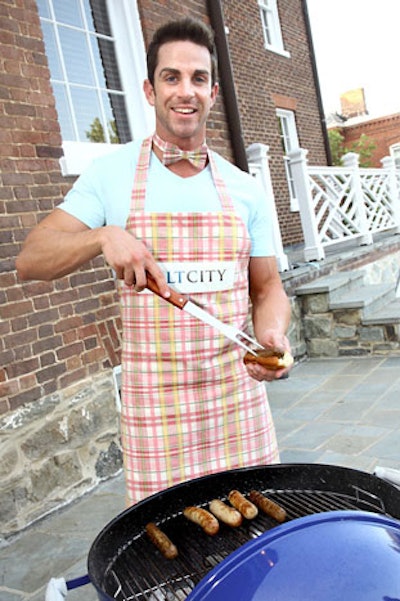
189	407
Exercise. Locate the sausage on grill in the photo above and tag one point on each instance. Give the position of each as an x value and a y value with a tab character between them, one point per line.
246	508
161	541
226	514
267	506
203	518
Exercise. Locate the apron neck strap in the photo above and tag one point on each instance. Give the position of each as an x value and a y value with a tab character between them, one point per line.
141	175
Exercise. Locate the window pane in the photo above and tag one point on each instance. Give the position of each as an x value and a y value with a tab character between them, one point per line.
43	7
88	14
121	127
52	51
64	113
76	56
68	12
267	33
88	117
98	64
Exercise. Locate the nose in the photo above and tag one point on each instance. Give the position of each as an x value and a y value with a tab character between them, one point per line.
186	88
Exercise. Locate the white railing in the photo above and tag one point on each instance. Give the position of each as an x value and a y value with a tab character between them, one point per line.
338	204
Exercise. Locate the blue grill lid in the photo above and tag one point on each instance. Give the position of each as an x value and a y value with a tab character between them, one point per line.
333	556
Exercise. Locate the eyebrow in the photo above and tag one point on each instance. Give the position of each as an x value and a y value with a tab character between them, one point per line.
177	71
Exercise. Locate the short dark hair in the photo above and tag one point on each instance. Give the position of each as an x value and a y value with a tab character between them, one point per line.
183	30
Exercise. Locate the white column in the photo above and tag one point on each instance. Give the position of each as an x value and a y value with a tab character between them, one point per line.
389	165
313	249
351	161
257	156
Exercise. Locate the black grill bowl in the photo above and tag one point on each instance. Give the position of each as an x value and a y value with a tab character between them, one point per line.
124	565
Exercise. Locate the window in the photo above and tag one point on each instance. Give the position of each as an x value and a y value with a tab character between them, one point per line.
290	141
395	154
97	68
271	26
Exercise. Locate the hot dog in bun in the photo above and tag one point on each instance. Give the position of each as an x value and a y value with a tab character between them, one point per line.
270	358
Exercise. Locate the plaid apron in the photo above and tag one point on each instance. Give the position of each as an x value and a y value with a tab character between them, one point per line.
189	407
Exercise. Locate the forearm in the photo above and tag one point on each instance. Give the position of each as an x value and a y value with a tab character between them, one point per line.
49	254
270	313
61	243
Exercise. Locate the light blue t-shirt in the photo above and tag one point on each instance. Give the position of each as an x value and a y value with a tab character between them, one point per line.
102	194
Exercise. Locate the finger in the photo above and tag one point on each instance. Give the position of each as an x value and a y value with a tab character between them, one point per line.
140	279
159	278
128	275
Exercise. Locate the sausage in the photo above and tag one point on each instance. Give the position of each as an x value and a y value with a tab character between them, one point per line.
246	508
161	541
203	518
267	506
225	514
270	358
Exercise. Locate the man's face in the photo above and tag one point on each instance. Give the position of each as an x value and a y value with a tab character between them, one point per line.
182	94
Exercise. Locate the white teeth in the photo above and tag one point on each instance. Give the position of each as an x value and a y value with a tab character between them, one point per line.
184	111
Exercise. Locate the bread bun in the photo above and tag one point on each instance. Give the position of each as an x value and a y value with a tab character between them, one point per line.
270	358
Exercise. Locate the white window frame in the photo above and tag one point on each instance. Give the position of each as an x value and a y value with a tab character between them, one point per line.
395	154
131	56
290	141
271	27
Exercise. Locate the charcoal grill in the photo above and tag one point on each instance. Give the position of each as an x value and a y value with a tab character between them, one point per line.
124	565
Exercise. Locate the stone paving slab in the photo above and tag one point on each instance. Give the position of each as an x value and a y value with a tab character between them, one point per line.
341	411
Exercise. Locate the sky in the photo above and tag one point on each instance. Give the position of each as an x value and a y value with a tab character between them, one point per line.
357	45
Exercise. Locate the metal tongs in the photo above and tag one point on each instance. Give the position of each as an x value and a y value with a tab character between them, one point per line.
183	302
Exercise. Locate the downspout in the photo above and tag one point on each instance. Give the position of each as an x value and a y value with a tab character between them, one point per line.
226	78
316	82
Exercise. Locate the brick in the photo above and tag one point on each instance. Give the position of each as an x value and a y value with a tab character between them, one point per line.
49	151
10	311
25	397
50	373
45	344
47	359
22	367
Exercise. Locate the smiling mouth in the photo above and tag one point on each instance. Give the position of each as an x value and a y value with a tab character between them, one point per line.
184	111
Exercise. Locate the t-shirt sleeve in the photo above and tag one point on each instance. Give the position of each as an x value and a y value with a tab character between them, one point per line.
85	199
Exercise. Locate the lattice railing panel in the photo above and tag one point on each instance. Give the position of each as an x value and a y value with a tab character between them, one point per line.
377	200
334	204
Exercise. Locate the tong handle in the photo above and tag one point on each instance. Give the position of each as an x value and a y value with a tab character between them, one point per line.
175	298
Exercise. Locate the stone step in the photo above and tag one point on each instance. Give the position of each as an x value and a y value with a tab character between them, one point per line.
334	284
388	314
369	298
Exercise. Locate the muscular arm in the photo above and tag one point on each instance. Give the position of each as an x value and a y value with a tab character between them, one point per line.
270	310
61	243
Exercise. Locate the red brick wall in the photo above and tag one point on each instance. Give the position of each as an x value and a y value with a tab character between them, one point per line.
384	132
265	81
51	334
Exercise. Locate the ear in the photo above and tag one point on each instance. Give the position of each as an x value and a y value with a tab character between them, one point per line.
214	93
149	92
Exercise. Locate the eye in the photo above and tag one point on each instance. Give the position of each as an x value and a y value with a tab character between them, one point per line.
201	78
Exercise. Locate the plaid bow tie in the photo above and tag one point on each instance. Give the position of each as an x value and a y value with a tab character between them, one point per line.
173	154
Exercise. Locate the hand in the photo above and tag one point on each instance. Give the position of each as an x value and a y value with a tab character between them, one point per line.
131	259
275	340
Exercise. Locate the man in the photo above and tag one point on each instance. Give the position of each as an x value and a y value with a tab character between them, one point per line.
189	404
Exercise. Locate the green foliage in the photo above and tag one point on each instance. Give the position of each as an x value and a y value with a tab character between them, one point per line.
96	132
364	147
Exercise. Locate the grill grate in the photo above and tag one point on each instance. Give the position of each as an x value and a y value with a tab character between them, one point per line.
138	570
